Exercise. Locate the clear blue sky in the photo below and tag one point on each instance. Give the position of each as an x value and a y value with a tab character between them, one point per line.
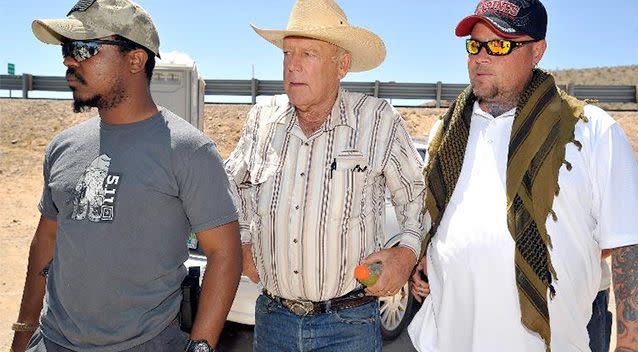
421	46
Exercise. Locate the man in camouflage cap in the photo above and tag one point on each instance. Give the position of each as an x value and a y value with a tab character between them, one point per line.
91	19
122	192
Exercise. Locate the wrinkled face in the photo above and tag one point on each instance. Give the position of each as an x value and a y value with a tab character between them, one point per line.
312	71
98	81
499	79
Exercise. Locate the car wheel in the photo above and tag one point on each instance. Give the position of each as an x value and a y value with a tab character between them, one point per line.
396	312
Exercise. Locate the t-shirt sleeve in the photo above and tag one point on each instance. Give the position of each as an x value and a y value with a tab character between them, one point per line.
46	205
204	190
616	189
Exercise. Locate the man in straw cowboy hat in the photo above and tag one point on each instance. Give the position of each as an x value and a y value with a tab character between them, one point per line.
122	192
526	186
311	170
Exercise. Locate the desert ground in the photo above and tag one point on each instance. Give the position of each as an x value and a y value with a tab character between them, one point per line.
27	126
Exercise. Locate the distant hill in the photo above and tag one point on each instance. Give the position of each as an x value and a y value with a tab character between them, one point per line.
617	75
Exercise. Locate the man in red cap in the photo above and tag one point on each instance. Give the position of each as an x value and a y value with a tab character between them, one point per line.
525	186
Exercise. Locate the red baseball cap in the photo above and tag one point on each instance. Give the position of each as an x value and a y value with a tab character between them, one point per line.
508	18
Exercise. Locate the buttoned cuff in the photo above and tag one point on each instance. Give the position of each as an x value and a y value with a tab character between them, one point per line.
246	236
412	242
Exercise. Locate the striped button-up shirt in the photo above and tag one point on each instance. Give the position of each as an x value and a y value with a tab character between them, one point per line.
314	206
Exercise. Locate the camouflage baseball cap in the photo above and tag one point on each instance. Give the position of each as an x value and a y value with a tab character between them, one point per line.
93	19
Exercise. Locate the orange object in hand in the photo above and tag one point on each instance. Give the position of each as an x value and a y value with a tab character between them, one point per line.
368	275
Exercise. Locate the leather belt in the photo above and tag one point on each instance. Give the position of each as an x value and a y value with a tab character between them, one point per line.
302	307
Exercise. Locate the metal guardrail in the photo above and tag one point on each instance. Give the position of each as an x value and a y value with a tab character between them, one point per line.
390	90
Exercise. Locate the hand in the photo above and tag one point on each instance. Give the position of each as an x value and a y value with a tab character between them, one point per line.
420	288
398	263
249	268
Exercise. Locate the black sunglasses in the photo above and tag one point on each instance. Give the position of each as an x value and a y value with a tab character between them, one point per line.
497	47
81	50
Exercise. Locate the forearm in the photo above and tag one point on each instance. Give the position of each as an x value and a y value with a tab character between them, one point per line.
625	279
405	182
40	255
411	222
241	198
219	286
240	180
243	201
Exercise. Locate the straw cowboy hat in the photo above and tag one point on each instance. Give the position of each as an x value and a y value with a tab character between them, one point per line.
325	20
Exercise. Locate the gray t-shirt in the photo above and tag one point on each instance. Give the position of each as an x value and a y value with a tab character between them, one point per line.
125	198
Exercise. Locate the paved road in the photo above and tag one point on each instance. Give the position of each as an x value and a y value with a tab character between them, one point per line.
239	338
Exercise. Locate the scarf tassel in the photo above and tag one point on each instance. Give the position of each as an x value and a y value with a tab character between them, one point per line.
549	243
551	277
554	216
584	118
568	165
577	144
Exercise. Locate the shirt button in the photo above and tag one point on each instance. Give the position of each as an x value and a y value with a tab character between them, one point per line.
296	272
306	144
294	241
296	207
302	174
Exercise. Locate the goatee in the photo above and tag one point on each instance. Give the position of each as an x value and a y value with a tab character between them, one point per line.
86	104
113	99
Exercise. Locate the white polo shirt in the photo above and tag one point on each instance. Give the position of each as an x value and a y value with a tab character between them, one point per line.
473	305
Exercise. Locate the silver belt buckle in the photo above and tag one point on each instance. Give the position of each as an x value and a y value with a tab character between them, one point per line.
302	308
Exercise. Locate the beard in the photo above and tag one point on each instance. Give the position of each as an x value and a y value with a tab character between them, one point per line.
487	93
495	100
83	105
107	101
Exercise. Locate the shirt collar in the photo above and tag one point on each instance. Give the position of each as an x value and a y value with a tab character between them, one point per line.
340	115
283	111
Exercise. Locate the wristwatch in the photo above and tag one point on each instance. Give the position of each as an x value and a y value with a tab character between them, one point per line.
199	346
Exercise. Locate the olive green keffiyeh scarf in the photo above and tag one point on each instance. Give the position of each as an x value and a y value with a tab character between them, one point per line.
543	125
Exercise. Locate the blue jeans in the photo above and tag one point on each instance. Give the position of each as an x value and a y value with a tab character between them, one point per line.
599	327
347	330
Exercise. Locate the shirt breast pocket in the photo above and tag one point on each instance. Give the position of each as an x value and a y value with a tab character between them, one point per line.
350	172
356	163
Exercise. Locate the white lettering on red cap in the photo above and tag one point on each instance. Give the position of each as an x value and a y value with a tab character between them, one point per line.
497	6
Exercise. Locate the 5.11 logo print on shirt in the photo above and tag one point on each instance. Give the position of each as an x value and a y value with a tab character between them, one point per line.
95	192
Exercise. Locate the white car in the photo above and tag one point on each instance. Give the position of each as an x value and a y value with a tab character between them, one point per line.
396	311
